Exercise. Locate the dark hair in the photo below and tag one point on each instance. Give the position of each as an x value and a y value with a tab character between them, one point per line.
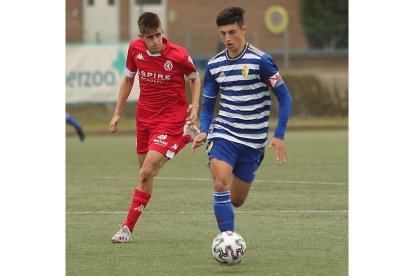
148	21
230	15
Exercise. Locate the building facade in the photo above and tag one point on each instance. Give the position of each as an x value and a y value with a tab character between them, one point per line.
108	20
188	23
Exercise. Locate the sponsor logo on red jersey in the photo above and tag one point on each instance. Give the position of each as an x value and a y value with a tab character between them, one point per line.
160	140
140	56
153	77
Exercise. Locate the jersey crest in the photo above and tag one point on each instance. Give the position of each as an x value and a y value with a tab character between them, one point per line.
168	65
245	70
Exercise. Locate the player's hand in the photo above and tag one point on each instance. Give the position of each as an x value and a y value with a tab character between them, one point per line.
280	150
192	117
198	141
113	125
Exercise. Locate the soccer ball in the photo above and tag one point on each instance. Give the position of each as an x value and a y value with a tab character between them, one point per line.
228	248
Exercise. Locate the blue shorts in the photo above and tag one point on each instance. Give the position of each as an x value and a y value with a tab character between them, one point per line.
244	160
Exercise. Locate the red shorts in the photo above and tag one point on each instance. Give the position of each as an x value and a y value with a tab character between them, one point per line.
151	136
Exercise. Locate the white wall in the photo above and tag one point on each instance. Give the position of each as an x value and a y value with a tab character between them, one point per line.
101	21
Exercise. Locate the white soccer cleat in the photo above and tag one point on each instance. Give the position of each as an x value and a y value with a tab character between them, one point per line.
191	130
122	236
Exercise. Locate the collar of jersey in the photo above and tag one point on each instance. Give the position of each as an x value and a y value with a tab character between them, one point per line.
240	55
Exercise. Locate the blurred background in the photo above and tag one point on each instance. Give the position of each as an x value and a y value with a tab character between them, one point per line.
308	39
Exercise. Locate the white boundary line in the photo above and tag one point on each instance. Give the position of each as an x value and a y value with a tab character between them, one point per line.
209	179
206	212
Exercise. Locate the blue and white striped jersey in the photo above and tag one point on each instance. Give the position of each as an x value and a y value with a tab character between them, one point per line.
245	97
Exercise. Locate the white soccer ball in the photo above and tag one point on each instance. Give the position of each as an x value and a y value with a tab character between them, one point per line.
228	248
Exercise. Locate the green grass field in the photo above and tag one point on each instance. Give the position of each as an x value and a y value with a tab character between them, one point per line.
295	220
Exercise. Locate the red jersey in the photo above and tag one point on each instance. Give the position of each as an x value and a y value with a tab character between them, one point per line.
161	80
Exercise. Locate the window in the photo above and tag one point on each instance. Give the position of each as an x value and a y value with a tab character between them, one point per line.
101	3
153	2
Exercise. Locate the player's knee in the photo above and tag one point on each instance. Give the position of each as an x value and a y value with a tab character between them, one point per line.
220	186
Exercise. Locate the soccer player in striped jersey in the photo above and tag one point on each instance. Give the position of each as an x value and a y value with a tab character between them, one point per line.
236	138
161	110
70	120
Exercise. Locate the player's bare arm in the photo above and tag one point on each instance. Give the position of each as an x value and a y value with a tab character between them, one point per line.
195	86
124	91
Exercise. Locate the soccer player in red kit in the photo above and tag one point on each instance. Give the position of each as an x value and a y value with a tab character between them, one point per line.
163	127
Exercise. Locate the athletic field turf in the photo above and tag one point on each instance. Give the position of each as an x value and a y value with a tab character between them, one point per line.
295	220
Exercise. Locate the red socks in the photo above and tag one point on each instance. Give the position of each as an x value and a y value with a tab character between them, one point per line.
139	201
